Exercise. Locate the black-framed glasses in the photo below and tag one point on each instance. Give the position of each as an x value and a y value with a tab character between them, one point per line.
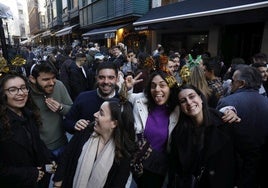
15	90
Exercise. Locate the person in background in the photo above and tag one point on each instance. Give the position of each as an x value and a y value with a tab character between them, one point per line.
158	51
260	58
130	66
251	134
145	66
64	68
23	153
99	155
173	69
176	58
118	58
54	101
202	151
197	78
79	77
212	69
52	60
262	67
227	78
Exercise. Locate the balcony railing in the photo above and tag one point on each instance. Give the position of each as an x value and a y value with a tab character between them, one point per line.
105	10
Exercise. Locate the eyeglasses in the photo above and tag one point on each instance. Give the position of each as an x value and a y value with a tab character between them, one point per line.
15	90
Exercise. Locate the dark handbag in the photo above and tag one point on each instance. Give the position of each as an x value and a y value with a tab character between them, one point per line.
143	151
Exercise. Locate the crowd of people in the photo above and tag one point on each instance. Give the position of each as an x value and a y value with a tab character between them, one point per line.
137	120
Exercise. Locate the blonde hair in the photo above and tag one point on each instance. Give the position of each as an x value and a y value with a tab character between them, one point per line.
198	79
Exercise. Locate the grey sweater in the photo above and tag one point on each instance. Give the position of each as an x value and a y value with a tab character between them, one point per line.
52	131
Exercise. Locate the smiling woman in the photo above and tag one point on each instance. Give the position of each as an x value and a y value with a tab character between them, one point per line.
202	152
23	154
103	149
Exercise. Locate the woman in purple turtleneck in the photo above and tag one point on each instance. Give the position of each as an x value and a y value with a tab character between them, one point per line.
156	114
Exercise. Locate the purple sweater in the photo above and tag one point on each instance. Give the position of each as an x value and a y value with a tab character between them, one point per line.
156	129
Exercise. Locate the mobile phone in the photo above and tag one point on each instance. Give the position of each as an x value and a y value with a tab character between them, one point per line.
50	168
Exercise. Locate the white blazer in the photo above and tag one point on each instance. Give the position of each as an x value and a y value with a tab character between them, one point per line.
140	112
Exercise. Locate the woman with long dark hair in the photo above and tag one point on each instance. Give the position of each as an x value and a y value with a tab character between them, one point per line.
23	154
99	155
202	153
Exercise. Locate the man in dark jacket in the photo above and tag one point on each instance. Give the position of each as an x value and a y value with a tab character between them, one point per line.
251	133
78	78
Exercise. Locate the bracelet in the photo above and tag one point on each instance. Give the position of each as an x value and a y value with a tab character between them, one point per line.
56	185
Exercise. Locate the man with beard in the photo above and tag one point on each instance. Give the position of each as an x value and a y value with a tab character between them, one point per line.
89	102
53	100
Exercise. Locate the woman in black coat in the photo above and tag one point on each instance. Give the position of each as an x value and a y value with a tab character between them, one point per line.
202	154
102	148
23	154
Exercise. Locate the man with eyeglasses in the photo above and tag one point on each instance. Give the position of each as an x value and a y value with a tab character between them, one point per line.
53	100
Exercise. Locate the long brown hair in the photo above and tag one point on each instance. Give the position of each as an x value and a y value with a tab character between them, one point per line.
4	106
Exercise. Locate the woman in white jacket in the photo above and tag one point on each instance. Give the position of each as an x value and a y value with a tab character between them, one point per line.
156	114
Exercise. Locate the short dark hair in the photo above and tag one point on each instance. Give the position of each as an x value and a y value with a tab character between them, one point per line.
90	44
250	75
80	55
212	64
42	66
259	64
107	65
68	50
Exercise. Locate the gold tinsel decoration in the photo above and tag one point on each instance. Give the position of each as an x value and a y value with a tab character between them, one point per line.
3	66
185	73
149	63
18	61
171	80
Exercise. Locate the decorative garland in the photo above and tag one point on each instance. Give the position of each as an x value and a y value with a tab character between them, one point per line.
185	71
17	61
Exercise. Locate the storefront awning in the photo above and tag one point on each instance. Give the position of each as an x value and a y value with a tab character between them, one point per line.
36	36
109	32
65	31
196	8
46	34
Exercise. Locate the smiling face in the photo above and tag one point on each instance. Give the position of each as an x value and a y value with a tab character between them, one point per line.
104	124
190	103
171	67
159	90
16	100
45	82
264	73
106	80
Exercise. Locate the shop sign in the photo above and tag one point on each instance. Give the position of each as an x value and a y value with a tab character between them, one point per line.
141	28
109	35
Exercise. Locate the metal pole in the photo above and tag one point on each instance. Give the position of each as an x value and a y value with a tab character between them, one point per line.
9	43
3	40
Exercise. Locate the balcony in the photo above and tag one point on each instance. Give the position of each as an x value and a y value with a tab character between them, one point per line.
104	11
